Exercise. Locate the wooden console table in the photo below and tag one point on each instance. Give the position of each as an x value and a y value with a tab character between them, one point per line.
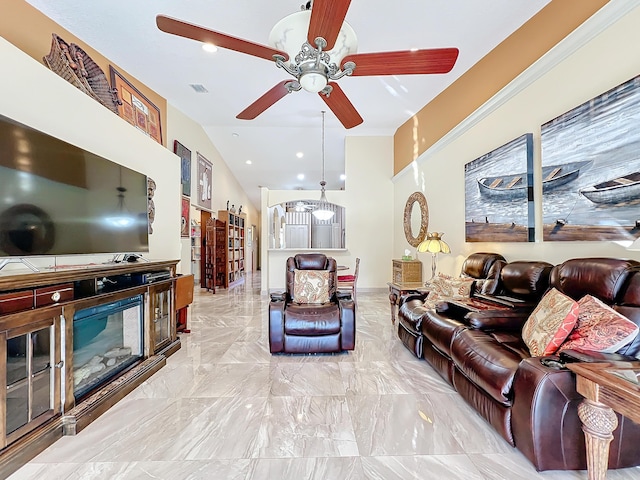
396	290
606	387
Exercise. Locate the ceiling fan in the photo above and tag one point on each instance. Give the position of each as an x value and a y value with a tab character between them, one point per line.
317	47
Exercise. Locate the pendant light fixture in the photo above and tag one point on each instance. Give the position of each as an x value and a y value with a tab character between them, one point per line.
323	212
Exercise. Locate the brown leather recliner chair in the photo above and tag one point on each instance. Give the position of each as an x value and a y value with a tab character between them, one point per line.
311	327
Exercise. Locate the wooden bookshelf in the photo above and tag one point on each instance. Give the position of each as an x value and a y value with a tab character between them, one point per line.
235	247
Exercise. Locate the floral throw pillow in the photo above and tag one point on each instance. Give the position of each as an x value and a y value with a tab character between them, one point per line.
600	328
311	286
550	323
444	287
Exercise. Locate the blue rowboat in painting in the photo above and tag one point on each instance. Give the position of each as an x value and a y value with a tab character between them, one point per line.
515	185
618	190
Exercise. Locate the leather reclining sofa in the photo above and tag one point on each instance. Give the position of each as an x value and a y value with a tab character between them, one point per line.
531	402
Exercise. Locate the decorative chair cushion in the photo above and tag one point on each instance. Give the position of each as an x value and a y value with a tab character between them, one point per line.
600	328
346	278
444	287
550	323
311	286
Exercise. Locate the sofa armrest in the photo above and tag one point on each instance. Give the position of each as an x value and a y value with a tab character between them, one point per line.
511	320
570	356
407	297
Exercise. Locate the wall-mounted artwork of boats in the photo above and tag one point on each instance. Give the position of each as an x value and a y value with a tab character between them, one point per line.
603	202
516	185
499	205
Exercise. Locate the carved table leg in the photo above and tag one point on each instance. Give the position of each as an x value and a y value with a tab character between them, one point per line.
598	423
393	298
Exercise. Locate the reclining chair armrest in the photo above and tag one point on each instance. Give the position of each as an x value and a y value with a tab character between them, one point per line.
278	296
342	295
511	320
348	322
276	325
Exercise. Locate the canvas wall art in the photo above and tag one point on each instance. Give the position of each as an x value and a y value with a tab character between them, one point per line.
184	220
185	166
499	194
135	108
593	150
205	179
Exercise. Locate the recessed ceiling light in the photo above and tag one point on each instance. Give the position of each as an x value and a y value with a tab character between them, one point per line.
235	135
301	176
299	154
209	47
248	162
343	176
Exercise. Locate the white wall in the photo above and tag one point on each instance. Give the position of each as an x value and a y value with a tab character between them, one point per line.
368	200
37	97
225	186
597	64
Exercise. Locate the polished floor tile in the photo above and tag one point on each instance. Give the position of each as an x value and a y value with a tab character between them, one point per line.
224	408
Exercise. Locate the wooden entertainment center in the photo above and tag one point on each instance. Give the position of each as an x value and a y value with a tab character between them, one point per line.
43	395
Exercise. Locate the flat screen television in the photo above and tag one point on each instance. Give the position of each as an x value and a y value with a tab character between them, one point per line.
58	199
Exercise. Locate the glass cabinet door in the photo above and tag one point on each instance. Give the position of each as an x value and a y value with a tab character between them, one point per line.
30	393
161	315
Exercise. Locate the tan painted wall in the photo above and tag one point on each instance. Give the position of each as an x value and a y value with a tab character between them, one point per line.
499	67
608	59
29	30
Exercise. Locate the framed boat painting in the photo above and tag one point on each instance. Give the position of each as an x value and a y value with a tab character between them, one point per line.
591	169
499	194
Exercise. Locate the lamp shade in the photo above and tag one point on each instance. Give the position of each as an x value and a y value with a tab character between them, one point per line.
434	244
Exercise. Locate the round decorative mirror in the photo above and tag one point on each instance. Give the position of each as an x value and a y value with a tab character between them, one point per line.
416	219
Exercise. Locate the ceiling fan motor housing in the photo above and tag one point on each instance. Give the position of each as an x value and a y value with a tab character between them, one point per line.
313	67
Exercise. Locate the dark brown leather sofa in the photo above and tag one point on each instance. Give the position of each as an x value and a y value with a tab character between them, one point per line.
484	267
530	402
311	328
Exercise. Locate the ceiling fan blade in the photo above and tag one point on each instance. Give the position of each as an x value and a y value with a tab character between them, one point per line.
340	105
265	101
405	62
196	32
326	21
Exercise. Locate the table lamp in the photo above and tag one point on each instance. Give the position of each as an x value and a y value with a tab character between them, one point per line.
434	245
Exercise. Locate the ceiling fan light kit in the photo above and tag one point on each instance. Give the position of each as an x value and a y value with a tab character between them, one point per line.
313	66
316	46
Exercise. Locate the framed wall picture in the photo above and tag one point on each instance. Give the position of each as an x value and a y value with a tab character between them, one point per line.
499	194
184	220
185	166
593	151
135	108
205	179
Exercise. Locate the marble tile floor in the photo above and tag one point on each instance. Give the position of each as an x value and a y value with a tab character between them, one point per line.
225	408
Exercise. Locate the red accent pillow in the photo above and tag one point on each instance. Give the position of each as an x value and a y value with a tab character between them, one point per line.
600	328
550	323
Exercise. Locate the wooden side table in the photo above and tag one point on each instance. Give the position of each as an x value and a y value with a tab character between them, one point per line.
606	387
396	290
